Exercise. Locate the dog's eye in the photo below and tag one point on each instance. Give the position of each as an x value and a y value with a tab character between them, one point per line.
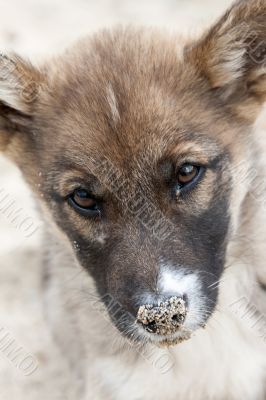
82	202
187	175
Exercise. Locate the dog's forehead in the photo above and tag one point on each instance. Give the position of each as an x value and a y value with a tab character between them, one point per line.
117	76
127	97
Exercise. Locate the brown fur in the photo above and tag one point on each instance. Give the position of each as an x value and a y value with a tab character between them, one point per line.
145	103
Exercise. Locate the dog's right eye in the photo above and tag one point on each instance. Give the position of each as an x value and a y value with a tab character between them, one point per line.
188	175
83	203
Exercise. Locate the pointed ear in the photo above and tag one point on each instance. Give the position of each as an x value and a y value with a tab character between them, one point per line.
19	87
232	57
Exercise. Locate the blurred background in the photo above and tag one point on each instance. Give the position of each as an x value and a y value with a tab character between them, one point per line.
36	29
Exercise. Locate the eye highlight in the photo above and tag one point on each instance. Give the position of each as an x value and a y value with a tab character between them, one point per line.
188	175
84	203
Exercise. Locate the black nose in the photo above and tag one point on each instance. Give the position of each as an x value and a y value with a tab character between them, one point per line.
164	318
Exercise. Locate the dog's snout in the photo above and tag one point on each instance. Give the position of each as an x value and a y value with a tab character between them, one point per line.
164	318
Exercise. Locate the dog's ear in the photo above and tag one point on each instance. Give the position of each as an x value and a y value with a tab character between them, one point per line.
232	57
19	87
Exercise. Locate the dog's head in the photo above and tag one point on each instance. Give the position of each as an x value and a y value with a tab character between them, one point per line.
136	144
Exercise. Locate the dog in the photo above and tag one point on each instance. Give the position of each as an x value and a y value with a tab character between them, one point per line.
142	151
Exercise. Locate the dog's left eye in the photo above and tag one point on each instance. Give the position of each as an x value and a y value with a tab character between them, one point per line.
187	175
82	202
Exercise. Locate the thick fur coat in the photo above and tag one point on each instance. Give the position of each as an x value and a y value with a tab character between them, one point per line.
104	135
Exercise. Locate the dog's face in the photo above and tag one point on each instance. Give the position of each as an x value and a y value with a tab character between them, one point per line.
136	147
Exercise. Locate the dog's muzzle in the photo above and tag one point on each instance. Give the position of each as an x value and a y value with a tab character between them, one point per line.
164	318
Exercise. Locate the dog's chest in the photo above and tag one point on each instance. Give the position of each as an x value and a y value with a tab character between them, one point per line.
206	367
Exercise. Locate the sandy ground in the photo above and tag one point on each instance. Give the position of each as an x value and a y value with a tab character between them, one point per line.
37	28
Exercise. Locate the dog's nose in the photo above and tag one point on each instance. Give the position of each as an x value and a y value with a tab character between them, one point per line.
164	318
